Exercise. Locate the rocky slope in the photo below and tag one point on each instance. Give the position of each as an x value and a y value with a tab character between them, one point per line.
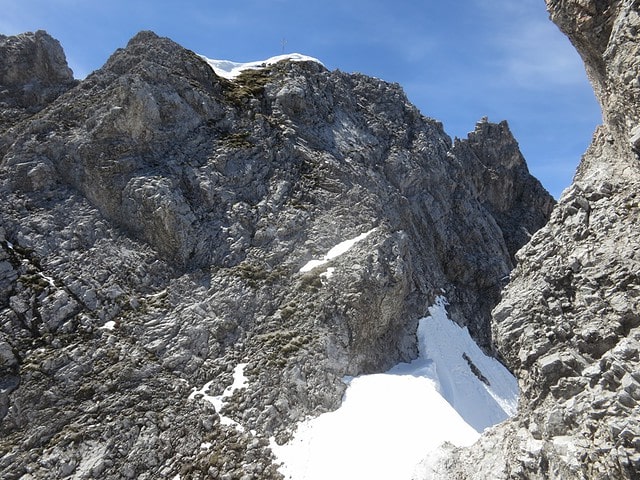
569	322
155	225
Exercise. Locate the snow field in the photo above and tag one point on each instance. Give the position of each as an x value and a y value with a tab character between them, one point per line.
391	425
444	343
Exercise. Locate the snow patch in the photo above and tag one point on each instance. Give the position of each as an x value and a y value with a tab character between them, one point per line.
230	70
392	425
336	251
239	381
328	273
48	279
110	325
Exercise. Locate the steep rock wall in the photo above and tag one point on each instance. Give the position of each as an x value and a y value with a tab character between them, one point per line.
569	321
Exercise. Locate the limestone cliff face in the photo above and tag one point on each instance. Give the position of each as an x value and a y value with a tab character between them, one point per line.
33	73
605	35
569	321
177	209
504	187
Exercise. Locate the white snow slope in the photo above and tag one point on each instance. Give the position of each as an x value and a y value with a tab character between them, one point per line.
230	70
390	425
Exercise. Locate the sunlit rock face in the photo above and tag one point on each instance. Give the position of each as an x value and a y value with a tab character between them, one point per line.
569	321
156	222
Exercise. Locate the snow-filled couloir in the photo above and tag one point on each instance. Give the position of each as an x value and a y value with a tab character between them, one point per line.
390	424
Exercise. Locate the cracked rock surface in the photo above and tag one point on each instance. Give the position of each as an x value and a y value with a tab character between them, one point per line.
155	222
569	320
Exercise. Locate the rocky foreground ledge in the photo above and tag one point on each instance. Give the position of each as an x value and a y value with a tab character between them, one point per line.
569	321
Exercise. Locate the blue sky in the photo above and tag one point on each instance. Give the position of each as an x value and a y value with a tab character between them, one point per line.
457	61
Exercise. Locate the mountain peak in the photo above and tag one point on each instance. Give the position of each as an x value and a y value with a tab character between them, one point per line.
32	57
144	36
33	73
158	225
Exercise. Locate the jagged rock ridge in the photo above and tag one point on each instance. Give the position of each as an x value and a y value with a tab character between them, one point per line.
155	224
569	321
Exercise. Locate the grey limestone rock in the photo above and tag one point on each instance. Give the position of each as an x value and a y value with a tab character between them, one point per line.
156	222
569	320
33	58
33	73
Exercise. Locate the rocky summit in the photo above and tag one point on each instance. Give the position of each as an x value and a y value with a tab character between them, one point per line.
191	264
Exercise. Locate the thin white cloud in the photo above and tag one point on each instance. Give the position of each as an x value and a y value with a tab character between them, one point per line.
529	50
539	55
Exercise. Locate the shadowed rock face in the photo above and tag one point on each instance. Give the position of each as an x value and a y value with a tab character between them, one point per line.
178	208
605	35
33	58
33	73
569	321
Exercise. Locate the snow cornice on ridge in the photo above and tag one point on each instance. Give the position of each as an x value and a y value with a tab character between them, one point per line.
230	70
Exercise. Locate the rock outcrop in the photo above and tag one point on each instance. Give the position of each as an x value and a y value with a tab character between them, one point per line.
569	321
33	73
155	225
